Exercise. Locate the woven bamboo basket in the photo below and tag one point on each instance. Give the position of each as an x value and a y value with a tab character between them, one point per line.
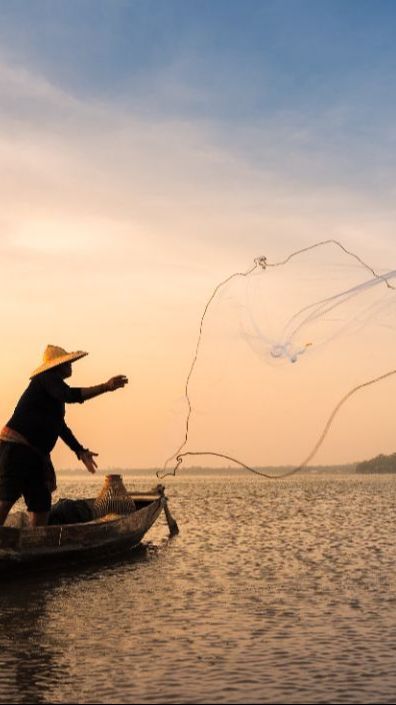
113	498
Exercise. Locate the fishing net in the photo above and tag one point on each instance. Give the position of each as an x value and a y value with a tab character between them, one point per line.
294	360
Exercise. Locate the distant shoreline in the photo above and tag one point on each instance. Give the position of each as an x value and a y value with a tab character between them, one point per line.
379	465
199	470
382	464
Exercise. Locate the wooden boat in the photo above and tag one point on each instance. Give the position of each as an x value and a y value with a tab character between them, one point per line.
109	535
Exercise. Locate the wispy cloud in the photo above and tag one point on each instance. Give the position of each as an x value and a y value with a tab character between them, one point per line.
119	215
63	157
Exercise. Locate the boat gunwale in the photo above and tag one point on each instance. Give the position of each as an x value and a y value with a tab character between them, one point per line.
81	537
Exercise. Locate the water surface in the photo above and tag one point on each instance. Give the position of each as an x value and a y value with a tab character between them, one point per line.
273	592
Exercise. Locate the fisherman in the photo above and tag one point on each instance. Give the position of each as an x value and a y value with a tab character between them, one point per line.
30	435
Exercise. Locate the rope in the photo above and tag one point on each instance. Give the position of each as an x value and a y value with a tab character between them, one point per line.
263	263
258	262
331	242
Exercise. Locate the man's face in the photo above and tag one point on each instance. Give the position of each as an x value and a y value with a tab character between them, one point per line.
65	370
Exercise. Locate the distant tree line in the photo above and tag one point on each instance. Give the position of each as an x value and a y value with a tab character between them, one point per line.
382	463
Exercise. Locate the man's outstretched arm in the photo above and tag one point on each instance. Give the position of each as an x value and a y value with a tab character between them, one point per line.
110	386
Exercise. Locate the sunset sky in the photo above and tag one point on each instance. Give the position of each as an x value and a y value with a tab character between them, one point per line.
151	148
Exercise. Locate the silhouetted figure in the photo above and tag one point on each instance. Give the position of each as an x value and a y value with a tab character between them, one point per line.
36	424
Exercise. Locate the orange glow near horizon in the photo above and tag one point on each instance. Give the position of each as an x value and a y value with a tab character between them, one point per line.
261	410
115	232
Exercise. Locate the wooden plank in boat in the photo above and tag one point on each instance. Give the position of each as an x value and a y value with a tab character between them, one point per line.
89	533
9	537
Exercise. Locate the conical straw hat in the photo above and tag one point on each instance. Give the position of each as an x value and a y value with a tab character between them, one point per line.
54	356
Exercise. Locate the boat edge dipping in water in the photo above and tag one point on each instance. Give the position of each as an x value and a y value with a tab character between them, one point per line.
106	536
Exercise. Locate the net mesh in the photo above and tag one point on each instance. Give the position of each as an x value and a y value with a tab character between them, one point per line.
284	350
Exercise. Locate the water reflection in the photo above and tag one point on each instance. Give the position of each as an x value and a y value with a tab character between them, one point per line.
29	660
41	614
275	592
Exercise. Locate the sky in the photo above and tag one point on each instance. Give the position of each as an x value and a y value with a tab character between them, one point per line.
151	148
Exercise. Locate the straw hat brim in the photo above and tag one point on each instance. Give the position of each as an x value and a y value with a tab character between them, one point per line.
70	357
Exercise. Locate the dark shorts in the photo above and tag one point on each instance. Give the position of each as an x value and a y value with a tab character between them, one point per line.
22	473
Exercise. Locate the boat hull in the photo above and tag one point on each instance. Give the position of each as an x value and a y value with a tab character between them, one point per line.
47	546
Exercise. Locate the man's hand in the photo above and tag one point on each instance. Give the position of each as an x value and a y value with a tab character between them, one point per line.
110	386
87	458
116	382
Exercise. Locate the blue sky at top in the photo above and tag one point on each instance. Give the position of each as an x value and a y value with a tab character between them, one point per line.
301	93
231	60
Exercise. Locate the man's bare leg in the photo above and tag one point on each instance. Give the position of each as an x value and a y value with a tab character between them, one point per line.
4	509
38	518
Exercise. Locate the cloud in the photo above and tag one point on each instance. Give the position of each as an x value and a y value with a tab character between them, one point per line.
63	155
116	226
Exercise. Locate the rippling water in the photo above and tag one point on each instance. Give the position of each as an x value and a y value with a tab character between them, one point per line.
273	592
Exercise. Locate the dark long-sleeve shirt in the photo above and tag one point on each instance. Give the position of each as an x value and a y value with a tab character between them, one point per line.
40	413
